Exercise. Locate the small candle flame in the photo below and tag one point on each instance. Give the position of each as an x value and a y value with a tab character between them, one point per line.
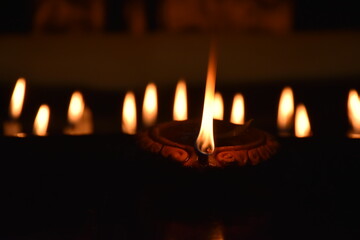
129	114
149	111
42	120
17	98
286	110
180	102
218	106
302	123
238	110
354	113
76	107
205	140
79	116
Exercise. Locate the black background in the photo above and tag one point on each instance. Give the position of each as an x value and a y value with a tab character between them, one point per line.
16	15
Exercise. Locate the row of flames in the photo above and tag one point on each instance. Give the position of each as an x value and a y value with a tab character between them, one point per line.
80	121
290	115
149	110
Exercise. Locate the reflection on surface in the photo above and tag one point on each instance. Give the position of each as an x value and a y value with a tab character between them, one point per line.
217	233
254	227
207	231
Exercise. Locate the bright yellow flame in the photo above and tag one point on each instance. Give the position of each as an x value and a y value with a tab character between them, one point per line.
286	110
302	123
149	111
129	114
42	120
17	98
76	107
238	110
205	140
180	102
354	113
218	106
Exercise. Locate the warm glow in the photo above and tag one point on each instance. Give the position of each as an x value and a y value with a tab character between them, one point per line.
354	113
17	98
180	102
149	111
217	233
286	110
238	110
302	123
42	120
129	114
76	107
218	106
205	140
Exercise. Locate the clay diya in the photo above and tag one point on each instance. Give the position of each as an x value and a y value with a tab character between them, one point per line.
235	144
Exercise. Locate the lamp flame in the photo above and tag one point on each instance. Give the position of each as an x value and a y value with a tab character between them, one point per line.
286	110
238	110
76	107
17	98
42	120
149	111
205	140
218	106
354	113
129	114
302	123
180	102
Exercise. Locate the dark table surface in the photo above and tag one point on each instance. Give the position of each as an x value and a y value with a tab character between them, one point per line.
113	190
102	186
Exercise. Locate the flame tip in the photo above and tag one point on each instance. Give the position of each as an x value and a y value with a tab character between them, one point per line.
205	139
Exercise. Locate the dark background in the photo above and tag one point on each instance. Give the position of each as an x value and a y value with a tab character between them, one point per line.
102	187
16	15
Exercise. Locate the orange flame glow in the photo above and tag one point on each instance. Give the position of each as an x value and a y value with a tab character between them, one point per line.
205	140
149	111
129	114
42	120
286	110
17	98
238	110
180	102
217	233
354	113
302	123
218	106
76	107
